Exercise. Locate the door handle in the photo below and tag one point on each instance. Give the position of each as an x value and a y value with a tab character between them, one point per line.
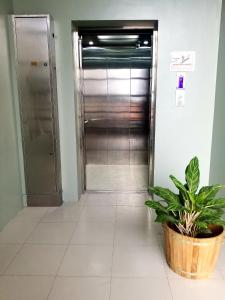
95	119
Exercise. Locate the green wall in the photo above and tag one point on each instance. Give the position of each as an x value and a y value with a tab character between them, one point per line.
217	171
181	133
10	186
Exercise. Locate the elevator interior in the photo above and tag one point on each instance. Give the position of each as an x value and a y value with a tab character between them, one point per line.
115	84
36	81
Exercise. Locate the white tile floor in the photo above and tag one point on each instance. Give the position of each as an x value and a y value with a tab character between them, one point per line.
107	247
117	177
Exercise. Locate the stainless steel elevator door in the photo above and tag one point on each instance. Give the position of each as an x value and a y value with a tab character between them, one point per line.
36	105
116	112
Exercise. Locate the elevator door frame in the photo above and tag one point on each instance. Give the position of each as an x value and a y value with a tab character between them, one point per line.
77	59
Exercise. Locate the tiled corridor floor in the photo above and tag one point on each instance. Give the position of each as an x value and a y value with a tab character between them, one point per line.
105	247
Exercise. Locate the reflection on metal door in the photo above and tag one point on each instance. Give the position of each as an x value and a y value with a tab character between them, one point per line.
38	105
115	86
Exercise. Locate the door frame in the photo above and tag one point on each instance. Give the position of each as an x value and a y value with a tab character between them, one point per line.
78	85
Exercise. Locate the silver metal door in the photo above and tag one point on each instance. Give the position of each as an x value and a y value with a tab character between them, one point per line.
116	117
38	106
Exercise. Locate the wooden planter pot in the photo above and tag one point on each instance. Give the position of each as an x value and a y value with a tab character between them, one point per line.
189	257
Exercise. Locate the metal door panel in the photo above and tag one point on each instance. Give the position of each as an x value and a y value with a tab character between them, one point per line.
139	87
139	99
95	87
118	157
94	157
116	108
119	102
138	138
138	157
140	73
93	102
95	74
119	87
118	139
37	110
119	73
96	138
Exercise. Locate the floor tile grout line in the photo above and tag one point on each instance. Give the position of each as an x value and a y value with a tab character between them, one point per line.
27	220
68	244
75	222
64	254
170	287
105	276
111	277
167	275
41	221
113	249
119	192
59	221
89	276
44	214
52	243
11	260
52	222
22	246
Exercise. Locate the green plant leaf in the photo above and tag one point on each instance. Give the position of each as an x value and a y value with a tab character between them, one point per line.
164	218
183	192
208	192
165	194
211	216
220	222
192	175
179	185
201	224
207	213
156	205
216	221
195	211
215	203
174	206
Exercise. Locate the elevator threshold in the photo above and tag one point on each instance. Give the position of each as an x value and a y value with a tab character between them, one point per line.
116	177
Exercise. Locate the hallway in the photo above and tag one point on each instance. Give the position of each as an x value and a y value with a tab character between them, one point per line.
105	247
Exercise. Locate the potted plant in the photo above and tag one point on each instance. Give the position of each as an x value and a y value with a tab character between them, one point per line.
192	222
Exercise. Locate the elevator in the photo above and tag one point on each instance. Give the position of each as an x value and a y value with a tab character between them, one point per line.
115	71
36	82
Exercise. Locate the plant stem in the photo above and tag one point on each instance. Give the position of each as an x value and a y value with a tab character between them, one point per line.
187	225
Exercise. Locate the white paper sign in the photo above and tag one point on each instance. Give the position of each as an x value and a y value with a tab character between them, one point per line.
182	61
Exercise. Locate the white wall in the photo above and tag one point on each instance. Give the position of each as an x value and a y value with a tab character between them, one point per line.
181	133
10	185
217	171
